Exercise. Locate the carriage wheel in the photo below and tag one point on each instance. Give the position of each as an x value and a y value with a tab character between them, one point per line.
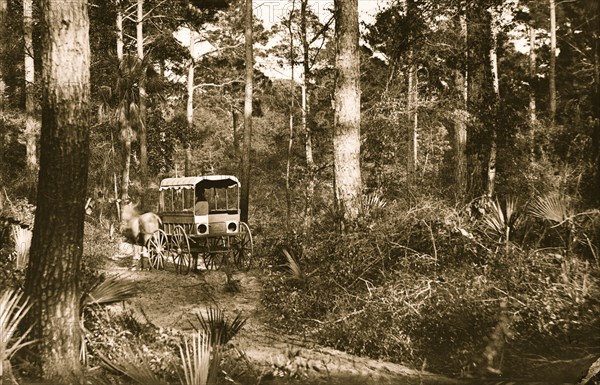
157	247
213	256
243	247
180	247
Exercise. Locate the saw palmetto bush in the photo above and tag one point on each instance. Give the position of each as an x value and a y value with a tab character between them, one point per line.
13	309
217	326
134	363
425	282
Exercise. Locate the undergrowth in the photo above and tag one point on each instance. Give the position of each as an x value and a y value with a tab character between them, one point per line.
438	287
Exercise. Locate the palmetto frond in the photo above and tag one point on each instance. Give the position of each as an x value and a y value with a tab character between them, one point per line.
133	364
198	367
12	312
499	220
552	207
292	266
372	203
217	327
110	290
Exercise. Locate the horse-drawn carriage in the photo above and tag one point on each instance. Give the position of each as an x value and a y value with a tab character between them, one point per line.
200	217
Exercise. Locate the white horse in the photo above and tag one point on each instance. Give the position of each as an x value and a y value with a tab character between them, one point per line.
138	229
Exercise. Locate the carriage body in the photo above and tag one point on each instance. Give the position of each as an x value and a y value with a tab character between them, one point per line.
201	217
220	216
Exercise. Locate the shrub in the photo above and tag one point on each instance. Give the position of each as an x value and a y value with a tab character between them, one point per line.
434	284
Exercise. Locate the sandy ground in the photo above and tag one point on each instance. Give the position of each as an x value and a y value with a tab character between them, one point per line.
169	300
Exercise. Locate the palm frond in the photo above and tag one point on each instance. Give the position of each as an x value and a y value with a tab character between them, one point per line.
198	367
551	207
133	364
220	330
293	267
109	290
22	238
494	218
12	311
373	203
501	220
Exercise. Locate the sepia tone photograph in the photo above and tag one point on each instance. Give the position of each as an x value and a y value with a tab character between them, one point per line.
345	192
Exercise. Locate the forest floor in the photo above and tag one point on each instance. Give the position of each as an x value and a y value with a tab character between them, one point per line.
169	300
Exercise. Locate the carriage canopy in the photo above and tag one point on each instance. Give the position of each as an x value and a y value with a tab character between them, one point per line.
221	192
206	181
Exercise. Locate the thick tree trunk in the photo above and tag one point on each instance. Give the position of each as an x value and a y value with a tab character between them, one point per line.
52	279
346	137
552	75
190	104
31	126
3	20
245	180
142	129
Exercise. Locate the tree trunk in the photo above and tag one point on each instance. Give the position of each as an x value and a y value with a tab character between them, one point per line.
190	104
288	193
411	106
52	279
596	103
235	117
245	180
532	80
460	123
3	20
119	23
31	127
124	131
491	168
142	130
552	76
346	136
310	163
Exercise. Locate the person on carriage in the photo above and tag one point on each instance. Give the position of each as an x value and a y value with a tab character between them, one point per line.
201	206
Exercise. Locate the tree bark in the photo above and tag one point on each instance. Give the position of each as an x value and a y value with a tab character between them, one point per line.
247	144
310	163
190	104
596	103
346	136
52	278
411	106
460	123
532	79
122	124
552	76
461	79
235	117
288	193
3	20
491	167
31	127
142	130
119	23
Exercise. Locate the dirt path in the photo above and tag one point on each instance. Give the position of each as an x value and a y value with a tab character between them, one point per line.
169	300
